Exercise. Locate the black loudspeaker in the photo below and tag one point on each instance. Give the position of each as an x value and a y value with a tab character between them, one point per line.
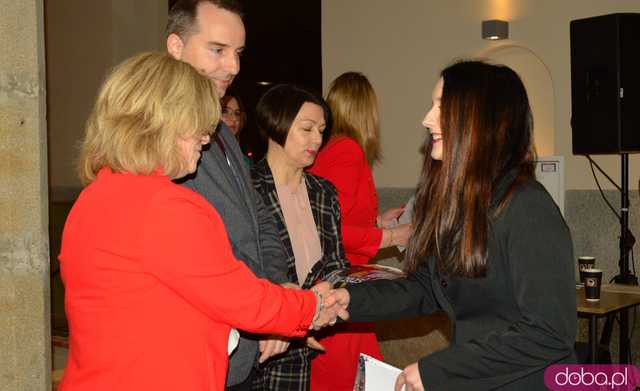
605	84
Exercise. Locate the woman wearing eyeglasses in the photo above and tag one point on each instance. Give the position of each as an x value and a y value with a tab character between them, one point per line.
235	117
233	113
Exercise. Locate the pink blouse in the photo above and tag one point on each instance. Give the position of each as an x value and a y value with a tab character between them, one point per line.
298	217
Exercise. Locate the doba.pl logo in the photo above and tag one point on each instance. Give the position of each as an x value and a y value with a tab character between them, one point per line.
591	377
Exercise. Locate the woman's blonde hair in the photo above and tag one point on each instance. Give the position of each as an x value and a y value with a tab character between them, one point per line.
354	108
145	105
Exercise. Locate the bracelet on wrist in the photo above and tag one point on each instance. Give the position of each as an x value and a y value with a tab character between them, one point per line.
319	307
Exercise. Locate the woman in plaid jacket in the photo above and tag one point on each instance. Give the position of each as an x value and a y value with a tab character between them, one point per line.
307	215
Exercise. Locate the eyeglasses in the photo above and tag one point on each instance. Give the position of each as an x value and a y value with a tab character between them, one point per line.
227	112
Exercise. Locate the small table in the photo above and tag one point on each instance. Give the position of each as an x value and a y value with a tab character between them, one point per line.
613	299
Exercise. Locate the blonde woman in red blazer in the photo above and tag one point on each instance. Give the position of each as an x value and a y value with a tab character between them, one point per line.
346	162
152	290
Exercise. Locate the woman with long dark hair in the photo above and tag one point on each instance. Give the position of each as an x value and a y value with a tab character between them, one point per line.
489	247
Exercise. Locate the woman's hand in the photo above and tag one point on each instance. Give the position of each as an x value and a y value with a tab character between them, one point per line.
402	233
342	299
332	305
397	236
388	217
410	379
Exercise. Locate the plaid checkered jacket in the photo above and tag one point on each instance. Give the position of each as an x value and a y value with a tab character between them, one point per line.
290	370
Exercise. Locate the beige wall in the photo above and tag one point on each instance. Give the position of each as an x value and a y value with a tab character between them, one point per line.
84	40
402	46
25	358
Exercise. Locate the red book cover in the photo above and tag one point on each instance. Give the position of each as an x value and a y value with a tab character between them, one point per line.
360	273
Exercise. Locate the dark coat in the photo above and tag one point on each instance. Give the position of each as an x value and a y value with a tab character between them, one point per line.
507	326
250	227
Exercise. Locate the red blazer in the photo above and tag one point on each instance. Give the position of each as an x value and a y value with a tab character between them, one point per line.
152	289
343	163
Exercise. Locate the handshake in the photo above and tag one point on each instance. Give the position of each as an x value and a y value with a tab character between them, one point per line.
332	303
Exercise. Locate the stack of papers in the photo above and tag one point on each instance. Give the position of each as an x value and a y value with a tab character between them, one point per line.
375	375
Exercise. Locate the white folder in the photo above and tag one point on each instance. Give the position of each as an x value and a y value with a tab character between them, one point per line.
375	375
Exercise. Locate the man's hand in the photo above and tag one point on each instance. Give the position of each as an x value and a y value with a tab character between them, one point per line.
272	346
314	344
410	379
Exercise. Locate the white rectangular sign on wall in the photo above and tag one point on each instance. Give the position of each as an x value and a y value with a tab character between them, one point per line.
550	172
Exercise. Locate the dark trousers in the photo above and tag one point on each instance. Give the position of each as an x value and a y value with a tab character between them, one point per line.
245	385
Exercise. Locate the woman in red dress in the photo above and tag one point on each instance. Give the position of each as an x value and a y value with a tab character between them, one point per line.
346	161
152	290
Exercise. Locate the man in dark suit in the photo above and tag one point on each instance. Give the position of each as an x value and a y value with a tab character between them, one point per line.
210	35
